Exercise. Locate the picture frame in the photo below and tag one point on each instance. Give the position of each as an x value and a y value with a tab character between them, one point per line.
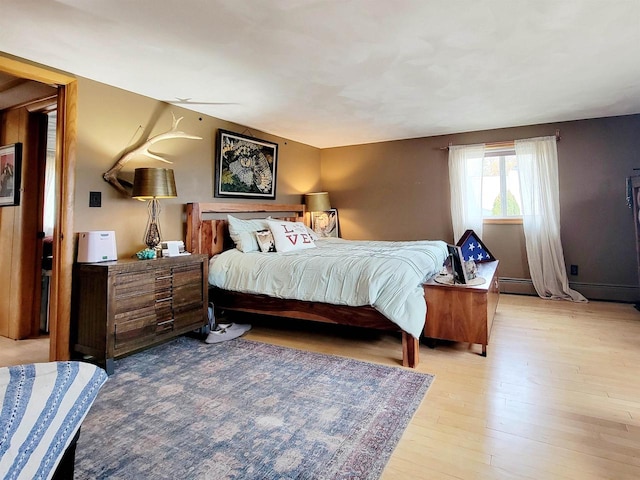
245	167
472	248
265	241
325	223
10	174
458	271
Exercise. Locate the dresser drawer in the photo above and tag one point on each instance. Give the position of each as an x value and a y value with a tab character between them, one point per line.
187	275
188	317
135	328
132	284
187	295
133	303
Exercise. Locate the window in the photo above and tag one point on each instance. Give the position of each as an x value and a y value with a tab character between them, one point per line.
500	185
50	176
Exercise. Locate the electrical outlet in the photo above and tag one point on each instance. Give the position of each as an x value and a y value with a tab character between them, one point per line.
574	269
95	199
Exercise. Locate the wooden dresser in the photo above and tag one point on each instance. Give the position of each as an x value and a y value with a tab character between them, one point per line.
123	306
463	313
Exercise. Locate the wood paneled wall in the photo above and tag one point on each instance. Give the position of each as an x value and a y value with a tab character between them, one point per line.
18	228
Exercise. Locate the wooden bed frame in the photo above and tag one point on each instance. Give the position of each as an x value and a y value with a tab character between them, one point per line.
210	236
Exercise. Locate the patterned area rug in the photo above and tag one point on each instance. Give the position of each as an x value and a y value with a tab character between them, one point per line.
246	410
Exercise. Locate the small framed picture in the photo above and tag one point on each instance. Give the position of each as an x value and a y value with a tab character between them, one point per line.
265	241
10	173
325	223
457	264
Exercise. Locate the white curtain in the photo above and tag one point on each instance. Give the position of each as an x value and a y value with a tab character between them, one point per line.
465	180
538	172
48	217
49	212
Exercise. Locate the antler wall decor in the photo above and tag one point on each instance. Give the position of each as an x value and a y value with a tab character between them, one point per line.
111	175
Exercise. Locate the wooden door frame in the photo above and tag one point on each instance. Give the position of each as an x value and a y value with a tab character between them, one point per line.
63	245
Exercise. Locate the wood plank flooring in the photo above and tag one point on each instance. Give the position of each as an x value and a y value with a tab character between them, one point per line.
31	350
557	397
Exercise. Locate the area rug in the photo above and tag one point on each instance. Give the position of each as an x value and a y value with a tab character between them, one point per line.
246	410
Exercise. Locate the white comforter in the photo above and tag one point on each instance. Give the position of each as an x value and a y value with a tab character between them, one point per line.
385	275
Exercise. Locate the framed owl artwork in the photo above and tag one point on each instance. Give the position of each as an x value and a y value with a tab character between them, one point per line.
245	167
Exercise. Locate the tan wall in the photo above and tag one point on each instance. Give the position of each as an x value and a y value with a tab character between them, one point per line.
389	190
380	189
399	190
110	120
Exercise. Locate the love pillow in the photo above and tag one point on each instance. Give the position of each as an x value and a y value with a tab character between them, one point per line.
289	236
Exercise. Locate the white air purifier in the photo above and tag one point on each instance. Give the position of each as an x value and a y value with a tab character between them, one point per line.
98	246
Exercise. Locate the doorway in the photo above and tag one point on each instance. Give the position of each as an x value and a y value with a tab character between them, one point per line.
62	242
28	117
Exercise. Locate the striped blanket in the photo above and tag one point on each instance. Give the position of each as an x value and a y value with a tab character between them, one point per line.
42	406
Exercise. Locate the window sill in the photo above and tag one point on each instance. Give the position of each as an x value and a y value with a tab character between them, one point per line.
502	221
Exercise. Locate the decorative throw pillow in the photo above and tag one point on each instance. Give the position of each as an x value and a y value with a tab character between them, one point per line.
314	235
243	232
265	241
290	236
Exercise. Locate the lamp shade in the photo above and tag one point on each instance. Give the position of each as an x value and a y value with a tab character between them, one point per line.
317	202
154	183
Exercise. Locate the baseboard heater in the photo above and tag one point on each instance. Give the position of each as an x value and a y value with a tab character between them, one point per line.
592	291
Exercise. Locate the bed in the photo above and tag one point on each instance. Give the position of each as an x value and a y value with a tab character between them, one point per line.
394	306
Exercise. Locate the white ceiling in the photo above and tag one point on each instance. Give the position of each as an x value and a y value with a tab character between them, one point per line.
341	72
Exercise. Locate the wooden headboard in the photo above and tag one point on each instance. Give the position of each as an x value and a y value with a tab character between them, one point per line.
208	235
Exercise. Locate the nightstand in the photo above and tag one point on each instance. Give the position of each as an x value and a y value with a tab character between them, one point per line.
463	313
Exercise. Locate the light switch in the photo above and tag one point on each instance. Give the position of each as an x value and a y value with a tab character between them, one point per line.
95	199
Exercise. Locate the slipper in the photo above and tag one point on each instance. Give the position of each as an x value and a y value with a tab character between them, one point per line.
229	332
243	327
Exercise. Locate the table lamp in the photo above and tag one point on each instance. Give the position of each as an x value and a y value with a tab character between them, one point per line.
152	184
317	202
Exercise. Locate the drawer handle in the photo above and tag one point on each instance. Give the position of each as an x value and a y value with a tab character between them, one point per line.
165	322
163	278
160	300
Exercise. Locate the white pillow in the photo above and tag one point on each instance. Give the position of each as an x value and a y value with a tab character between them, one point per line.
290	236
243	232
314	235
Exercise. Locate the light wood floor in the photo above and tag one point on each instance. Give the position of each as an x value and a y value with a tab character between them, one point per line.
31	350
557	397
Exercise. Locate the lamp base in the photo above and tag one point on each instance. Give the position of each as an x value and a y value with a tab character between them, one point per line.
152	236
